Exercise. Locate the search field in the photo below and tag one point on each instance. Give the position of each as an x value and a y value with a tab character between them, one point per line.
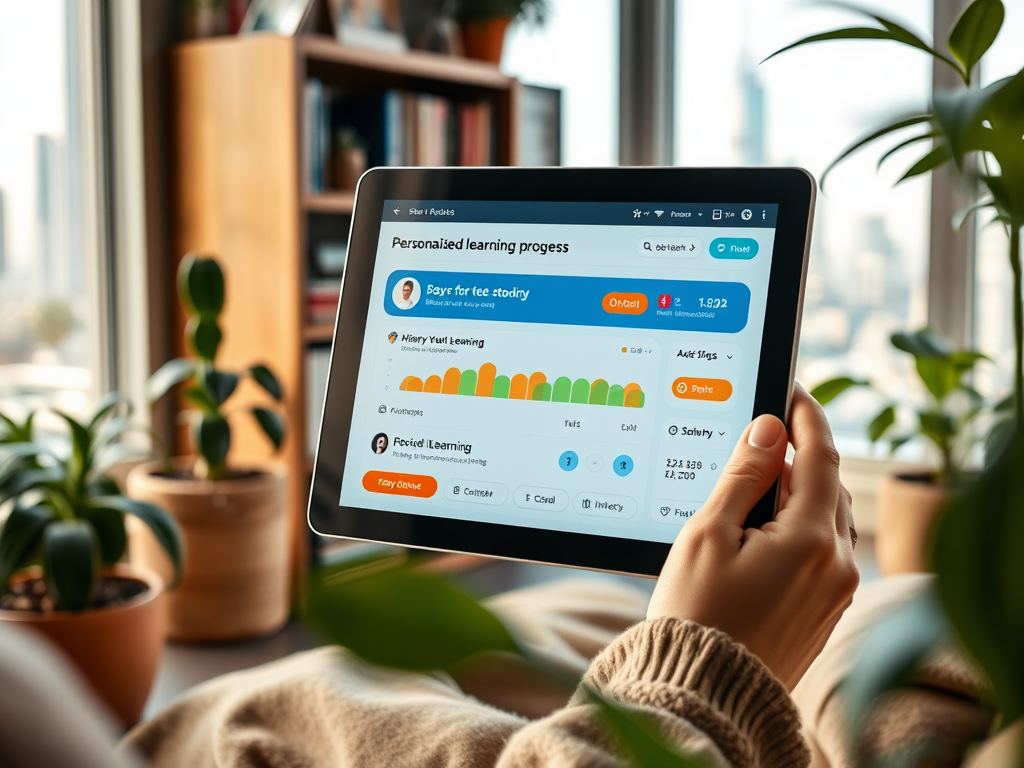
677	247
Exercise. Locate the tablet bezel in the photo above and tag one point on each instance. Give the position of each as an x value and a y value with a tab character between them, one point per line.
793	189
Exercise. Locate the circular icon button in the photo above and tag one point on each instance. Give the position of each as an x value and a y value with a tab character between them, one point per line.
622	465
595	462
746	214
569	461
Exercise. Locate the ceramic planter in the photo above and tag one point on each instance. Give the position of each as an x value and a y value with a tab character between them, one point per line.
235	581
347	165
907	508
117	649
484	39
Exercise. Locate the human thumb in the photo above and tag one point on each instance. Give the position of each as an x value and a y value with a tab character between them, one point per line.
755	464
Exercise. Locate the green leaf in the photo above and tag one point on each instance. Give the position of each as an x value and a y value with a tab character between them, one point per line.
829	390
881	423
201	285
938	375
198	397
105	407
204	336
844	33
404	618
211	435
961	216
892	649
898	442
219	385
109	527
958	114
639	738
70	562
896	125
164	527
937	426
266	379
19	536
999	436
31	479
903	145
81	450
13	432
929	162
169	374
981	575
975	31
271	423
922	343
1004	405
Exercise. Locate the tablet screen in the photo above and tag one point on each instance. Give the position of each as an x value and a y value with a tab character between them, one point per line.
579	367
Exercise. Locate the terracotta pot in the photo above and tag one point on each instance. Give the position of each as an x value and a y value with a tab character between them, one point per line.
347	165
116	649
907	508
235	580
484	39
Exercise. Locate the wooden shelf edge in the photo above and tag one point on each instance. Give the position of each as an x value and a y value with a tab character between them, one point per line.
318	332
329	202
422	64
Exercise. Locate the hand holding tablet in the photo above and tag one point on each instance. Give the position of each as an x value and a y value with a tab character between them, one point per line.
530	363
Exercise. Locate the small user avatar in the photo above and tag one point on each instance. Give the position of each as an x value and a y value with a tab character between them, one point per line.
392	336
406	293
379	444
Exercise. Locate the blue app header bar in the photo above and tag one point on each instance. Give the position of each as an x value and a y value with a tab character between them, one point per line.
664	305
754	215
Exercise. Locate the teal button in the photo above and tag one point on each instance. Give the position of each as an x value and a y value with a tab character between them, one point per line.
733	248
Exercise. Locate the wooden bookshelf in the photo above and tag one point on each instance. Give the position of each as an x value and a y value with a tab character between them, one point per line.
240	194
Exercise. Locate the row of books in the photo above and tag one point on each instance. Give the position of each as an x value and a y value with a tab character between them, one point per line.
396	128
322	300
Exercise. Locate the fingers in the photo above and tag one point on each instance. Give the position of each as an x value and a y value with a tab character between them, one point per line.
753	467
814	481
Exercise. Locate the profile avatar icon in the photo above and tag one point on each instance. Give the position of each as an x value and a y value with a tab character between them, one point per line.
392	336
379	444
406	293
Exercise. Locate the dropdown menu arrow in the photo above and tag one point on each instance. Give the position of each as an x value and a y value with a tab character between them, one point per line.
729	356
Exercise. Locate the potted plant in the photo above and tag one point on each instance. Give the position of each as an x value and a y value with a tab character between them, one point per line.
979	130
482	23
909	503
348	160
234	519
61	548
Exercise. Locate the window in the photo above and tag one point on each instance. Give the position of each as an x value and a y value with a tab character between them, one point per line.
868	267
993	308
48	350
575	51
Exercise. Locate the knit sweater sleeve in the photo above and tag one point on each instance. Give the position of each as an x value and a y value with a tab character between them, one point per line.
708	695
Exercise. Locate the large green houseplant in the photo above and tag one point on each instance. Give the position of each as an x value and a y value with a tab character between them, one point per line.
979	130
234	518
62	546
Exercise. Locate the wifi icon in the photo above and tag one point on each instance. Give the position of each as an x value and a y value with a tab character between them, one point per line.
658	213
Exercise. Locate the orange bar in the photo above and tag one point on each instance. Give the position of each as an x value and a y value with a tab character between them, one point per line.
536	380
412	384
517	387
688	388
400	484
485	380
631	387
625	303
432	385
450	385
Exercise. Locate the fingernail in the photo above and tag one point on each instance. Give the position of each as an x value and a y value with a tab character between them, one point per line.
765	432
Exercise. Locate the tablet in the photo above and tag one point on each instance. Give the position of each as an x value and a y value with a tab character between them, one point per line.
554	365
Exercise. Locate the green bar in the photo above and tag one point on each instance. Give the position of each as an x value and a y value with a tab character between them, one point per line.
599	392
635	399
580	391
563	386
542	392
501	385
467	384
615	395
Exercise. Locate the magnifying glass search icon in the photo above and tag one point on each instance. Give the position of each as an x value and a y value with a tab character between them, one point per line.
647	245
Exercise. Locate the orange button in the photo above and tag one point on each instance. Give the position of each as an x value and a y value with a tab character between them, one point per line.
686	388
625	303
400	484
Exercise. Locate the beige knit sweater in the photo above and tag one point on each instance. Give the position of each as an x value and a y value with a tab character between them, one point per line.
707	694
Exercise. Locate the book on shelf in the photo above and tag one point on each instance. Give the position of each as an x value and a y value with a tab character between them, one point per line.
397	128
322	301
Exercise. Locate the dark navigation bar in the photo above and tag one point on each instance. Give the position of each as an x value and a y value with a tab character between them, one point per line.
754	215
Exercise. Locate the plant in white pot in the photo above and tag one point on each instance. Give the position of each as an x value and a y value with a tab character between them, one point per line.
234	519
908	504
61	551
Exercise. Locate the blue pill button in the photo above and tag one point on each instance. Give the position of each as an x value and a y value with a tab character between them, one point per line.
569	461
622	465
733	248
